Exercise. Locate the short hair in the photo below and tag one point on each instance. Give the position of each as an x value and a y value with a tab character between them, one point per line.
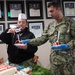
54	4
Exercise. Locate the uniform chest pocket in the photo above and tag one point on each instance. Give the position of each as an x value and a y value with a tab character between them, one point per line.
64	34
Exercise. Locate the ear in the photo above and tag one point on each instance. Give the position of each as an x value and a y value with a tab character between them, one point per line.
59	8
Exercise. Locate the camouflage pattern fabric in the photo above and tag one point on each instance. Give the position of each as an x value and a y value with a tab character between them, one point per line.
62	62
26	63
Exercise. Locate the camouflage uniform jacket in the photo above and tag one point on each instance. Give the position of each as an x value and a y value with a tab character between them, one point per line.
66	27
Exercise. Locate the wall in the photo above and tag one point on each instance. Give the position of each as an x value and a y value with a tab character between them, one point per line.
43	50
3	51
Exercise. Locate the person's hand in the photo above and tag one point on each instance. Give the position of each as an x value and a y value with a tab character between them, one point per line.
60	47
14	30
11	31
25	41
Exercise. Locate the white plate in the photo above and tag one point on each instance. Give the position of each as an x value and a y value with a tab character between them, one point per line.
19	44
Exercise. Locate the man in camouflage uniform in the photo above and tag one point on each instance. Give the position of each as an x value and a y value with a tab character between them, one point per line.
63	30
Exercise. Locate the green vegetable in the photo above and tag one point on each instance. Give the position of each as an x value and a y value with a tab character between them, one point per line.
39	70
